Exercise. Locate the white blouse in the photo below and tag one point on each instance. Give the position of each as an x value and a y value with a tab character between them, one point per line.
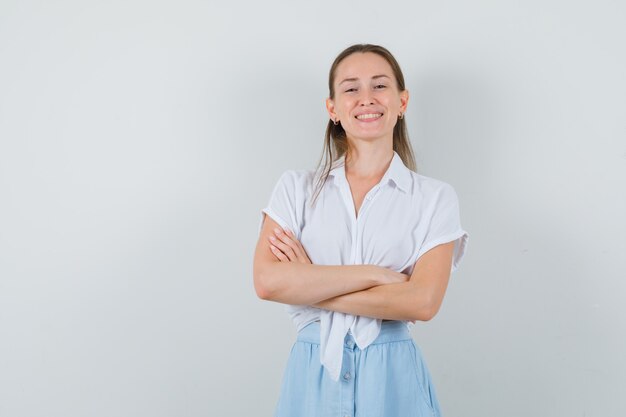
400	219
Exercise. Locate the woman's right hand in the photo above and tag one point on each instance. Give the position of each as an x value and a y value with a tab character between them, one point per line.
389	276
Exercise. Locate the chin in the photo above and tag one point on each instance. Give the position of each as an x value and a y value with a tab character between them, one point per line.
369	135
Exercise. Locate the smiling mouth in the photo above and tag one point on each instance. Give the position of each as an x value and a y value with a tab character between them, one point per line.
369	116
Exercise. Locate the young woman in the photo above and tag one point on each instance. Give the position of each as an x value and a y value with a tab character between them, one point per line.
359	250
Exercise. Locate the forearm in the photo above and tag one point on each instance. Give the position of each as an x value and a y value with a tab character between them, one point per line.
400	301
307	284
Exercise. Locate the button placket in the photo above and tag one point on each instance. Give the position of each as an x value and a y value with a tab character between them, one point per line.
348	385
347	382
371	194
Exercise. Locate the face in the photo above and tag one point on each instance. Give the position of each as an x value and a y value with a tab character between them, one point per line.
367	101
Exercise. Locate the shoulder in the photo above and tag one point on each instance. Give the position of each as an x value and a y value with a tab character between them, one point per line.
296	177
426	187
296	182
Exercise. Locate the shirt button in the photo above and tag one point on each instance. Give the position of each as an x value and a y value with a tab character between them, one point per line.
347	375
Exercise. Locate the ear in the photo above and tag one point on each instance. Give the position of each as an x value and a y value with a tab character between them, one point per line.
404	100
330	107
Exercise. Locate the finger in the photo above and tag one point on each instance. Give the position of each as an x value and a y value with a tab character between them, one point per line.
289	241
291	236
284	248
298	248
283	234
295	241
281	256
292	244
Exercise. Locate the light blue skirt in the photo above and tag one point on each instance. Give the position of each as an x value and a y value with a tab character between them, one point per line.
389	378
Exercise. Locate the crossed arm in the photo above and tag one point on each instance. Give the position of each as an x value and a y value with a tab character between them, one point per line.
284	273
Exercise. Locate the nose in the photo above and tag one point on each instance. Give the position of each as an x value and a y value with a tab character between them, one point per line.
366	98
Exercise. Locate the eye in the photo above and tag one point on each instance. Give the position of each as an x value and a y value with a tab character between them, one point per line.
381	86
349	90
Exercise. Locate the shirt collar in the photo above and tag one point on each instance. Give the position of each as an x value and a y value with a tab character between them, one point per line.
397	172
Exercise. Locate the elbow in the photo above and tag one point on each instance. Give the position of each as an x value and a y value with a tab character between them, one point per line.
427	314
427	309
262	284
262	292
423	314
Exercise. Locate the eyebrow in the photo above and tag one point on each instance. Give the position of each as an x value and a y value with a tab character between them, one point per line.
356	79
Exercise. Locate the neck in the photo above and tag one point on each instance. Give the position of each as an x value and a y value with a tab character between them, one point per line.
368	161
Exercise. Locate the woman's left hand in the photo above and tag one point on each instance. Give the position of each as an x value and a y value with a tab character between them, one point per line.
287	248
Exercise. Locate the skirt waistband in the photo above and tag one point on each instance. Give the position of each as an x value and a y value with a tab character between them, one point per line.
390	331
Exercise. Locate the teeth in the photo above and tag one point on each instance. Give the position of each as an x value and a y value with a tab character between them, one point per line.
369	116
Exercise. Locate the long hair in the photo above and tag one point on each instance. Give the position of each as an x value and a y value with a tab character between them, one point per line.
335	140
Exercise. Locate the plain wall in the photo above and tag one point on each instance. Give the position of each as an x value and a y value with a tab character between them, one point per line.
139	141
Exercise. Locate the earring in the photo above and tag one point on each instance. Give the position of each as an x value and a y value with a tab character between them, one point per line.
401	116
336	122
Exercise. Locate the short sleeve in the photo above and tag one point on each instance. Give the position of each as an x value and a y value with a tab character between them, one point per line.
284	202
445	225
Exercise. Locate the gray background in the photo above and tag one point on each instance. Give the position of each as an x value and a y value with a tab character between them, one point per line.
140	139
